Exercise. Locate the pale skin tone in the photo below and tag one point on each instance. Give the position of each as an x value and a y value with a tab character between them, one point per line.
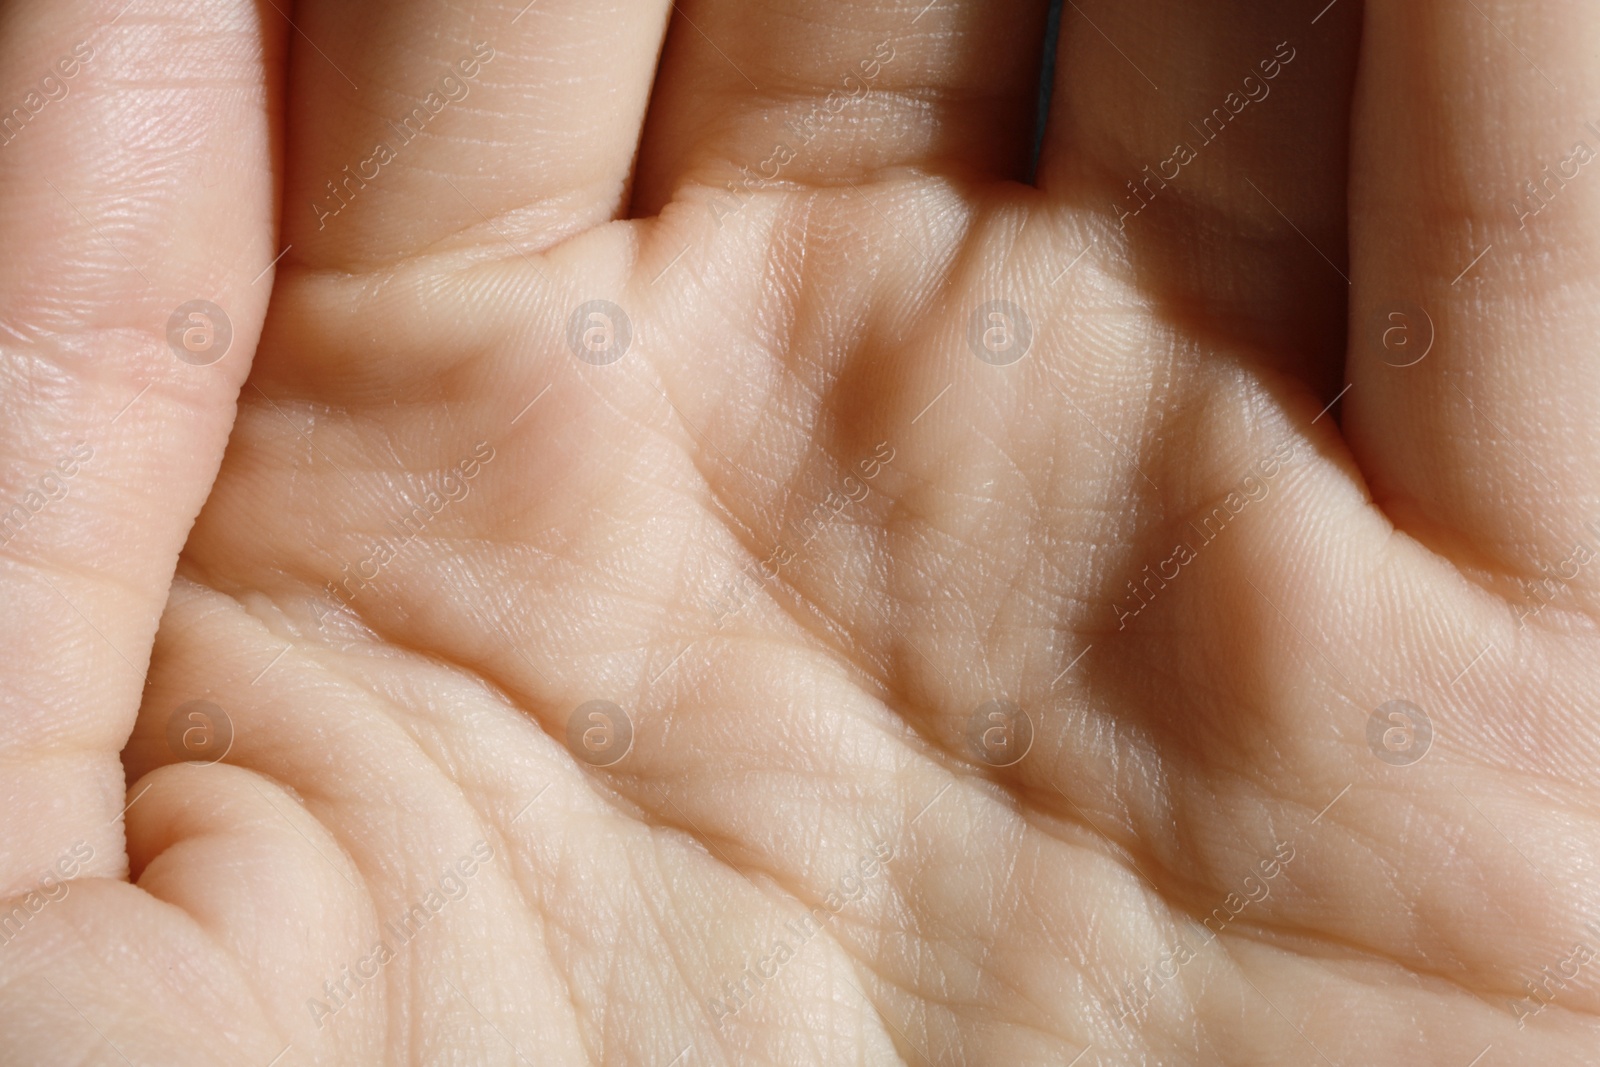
800	532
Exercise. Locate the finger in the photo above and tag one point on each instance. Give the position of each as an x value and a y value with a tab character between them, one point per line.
108	974
1215	134
426	125
1477	209
208	960
434	880
111	428
829	91
242	858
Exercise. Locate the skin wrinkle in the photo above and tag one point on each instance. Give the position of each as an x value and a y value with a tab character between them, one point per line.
204	930
753	554
934	563
793	894
752	551
654	833
401	719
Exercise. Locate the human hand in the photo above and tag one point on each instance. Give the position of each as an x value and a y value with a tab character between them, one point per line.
1007	651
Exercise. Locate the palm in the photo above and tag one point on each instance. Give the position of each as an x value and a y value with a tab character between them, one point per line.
818	553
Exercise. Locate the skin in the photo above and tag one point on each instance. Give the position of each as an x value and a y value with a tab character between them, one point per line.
801	534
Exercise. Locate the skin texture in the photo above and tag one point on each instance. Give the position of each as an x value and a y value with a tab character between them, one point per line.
800	534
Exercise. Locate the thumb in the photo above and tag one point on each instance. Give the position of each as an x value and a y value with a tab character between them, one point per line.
136	215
